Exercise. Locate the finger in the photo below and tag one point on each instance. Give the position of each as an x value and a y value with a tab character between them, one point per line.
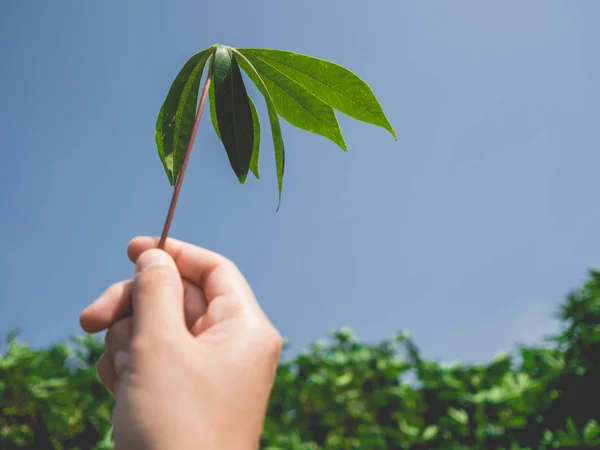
116	301
106	372
118	337
117	342
194	303
213	273
106	309
157	295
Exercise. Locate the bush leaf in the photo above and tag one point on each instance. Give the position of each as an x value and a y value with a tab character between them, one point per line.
234	115
273	118
177	114
296	104
330	82
459	415
591	431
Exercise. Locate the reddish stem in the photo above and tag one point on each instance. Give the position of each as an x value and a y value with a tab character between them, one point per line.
184	164
186	158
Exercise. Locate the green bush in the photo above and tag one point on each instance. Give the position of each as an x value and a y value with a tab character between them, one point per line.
346	394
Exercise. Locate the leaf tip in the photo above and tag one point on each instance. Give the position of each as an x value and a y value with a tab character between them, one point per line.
170	177
278	204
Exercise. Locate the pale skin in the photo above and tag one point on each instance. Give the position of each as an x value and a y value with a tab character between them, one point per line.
194	366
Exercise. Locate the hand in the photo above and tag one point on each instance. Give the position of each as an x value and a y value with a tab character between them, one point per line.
194	366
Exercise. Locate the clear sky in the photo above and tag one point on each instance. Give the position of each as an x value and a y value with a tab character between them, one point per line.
468	232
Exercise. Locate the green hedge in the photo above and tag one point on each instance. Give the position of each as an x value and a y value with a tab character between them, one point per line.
346	394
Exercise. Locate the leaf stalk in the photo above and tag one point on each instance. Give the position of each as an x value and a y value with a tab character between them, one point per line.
186	158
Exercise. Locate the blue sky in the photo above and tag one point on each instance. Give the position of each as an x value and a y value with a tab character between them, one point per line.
468	232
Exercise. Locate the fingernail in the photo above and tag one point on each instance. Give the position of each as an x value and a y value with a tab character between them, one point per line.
151	258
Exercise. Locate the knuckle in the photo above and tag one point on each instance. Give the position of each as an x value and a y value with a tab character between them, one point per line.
263	335
228	265
272	342
277	342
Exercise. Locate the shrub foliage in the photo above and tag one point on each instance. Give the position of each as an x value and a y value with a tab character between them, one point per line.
347	394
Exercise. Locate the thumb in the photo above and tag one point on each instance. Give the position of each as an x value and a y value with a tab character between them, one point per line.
157	295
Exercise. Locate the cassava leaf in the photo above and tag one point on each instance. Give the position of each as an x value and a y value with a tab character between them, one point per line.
303	90
296	104
213	111
330	82
255	123
234	114
256	144
273	118
176	117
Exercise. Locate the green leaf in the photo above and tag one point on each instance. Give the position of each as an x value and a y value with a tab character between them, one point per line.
591	431
459	415
273	118
547	437
571	428
177	114
514	422
213	111
256	144
234	115
332	83
430	432
255	123
565	439
343	380
296	104
408	429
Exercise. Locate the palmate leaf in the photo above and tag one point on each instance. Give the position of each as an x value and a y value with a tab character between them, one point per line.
233	111
177	114
303	90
